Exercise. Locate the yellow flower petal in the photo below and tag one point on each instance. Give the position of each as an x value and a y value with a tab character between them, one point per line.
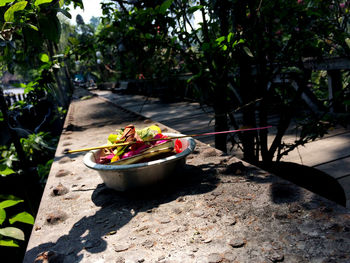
115	158
155	128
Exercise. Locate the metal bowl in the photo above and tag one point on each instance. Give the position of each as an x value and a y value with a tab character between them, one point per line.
124	177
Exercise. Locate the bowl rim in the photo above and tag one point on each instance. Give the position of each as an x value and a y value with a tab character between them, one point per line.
105	167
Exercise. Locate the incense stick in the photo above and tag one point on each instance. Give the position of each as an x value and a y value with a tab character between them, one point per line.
162	139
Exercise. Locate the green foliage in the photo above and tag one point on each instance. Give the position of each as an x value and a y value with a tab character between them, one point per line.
44	170
160	39
37	146
9	235
5	170
40	2
50	26
8	157
9	15
165	6
22	217
29	34
44	57
4	2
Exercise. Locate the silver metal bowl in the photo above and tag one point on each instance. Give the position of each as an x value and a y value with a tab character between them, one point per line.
124	177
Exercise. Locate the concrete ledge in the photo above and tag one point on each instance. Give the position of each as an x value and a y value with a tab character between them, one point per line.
219	209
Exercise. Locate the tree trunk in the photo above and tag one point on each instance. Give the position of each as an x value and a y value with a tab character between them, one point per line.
249	120
221	78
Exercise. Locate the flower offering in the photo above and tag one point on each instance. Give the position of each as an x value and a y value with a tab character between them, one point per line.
138	145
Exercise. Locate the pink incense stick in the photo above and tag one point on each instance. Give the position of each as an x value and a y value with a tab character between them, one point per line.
168	138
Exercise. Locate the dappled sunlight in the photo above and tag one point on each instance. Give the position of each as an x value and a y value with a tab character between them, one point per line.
320	151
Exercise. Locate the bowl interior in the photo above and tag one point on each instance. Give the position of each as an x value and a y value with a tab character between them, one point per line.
188	145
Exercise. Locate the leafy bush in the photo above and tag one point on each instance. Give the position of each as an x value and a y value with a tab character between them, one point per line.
10	235
39	147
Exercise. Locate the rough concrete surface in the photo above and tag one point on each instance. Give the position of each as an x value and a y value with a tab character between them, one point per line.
218	209
329	154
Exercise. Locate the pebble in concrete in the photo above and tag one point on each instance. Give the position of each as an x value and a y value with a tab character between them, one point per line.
121	247
120	260
237	242
59	190
164	220
214	258
148	243
230	257
65	160
62	172
49	256
275	256
198	213
56	217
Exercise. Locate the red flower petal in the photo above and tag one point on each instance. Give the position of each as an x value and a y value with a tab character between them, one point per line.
178	146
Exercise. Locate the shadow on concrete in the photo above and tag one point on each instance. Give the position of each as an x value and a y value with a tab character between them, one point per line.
312	179
117	209
281	192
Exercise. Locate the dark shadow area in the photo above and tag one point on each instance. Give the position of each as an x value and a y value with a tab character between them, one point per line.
281	192
285	193
118	208
312	179
72	127
29	190
297	176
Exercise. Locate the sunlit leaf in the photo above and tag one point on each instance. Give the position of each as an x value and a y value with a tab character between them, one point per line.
2	216
237	42
8	243
33	27
9	15
9	203
347	41
44	57
7	171
23	217
220	39
12	232
40	2
61	3
229	37
247	51
4	2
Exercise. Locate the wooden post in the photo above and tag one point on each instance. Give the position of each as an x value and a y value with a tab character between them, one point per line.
334	90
